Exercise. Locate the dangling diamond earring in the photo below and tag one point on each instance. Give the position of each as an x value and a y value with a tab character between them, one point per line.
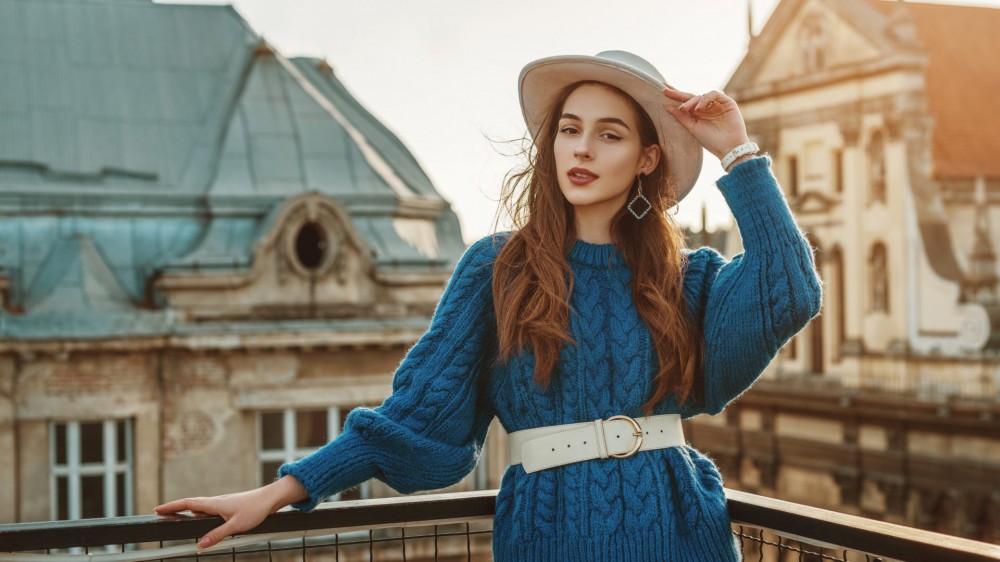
641	200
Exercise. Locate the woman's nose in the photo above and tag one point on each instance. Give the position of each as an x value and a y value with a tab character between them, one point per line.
582	151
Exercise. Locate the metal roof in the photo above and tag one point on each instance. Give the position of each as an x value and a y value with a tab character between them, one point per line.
138	137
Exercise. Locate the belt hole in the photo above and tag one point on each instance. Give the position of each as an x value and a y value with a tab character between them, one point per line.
647	433
618	436
568	445
584	442
553	449
661	431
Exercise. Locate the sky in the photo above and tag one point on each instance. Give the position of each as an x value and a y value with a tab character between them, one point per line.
442	74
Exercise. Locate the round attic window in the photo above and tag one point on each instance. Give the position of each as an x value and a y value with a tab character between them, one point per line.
311	245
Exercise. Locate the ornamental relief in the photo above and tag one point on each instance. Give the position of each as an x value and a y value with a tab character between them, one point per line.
312	243
814	42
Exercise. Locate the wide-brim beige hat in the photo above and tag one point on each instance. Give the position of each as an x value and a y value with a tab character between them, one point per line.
543	79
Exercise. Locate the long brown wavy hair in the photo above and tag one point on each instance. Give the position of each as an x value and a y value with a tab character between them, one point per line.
532	280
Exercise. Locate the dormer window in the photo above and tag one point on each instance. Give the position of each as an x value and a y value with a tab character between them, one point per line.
311	245
814	40
313	237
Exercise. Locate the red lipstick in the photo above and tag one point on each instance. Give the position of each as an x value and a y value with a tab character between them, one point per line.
581	176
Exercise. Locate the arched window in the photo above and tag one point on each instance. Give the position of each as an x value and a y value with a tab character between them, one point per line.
876	168
836	262
878	263
814	39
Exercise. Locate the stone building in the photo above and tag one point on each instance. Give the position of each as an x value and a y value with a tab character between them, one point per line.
877	114
209	253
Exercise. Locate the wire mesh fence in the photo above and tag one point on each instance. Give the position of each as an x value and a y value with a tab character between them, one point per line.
460	542
760	545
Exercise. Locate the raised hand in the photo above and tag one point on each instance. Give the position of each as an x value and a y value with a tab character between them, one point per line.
712	118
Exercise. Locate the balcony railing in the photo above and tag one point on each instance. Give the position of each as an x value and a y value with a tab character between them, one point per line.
457	527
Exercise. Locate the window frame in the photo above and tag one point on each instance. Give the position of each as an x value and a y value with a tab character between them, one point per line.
75	469
290	452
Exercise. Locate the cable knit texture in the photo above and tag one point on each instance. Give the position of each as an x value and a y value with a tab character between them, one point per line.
662	505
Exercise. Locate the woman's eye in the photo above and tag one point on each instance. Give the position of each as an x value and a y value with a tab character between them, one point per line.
568	130
611	136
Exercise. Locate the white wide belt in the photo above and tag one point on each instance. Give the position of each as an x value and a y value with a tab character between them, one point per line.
618	436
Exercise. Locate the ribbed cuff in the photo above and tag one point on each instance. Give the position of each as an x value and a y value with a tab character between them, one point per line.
341	464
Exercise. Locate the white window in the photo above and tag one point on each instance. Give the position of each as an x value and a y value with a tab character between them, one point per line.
287	435
91	473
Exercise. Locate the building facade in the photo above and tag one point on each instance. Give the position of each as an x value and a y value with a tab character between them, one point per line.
209	254
887	403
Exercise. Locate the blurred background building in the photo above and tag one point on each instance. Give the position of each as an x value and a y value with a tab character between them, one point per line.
209	254
877	114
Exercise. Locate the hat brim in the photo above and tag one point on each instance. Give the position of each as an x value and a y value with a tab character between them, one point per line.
542	80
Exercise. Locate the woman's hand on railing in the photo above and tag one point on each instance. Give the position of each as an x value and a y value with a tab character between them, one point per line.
242	511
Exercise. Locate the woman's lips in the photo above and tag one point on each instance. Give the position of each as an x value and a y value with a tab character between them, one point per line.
581	176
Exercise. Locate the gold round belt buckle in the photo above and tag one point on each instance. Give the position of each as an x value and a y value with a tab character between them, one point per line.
637	434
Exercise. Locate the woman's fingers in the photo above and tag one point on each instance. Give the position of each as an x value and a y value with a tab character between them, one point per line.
203	506
712	104
683	117
213	537
174	506
677	95
197	506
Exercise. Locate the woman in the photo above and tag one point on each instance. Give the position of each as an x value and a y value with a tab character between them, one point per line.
590	331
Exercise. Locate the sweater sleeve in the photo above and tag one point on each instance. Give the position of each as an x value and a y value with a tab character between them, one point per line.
762	297
429	432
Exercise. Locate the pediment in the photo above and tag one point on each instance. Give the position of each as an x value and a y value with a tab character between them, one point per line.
813	203
807	41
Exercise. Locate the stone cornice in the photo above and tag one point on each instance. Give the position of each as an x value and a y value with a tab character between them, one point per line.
902	61
40	201
846	115
220	337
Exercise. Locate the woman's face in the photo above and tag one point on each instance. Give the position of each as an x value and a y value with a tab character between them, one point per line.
597	149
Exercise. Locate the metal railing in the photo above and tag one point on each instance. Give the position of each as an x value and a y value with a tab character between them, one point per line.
458	526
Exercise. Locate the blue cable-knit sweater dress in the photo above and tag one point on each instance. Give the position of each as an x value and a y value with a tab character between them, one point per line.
662	505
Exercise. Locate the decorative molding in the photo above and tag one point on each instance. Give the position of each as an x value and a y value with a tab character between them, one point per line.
847	116
330	222
813	202
850	129
915	62
895	125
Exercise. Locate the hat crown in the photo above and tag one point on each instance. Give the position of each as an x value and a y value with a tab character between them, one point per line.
633	61
542	79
